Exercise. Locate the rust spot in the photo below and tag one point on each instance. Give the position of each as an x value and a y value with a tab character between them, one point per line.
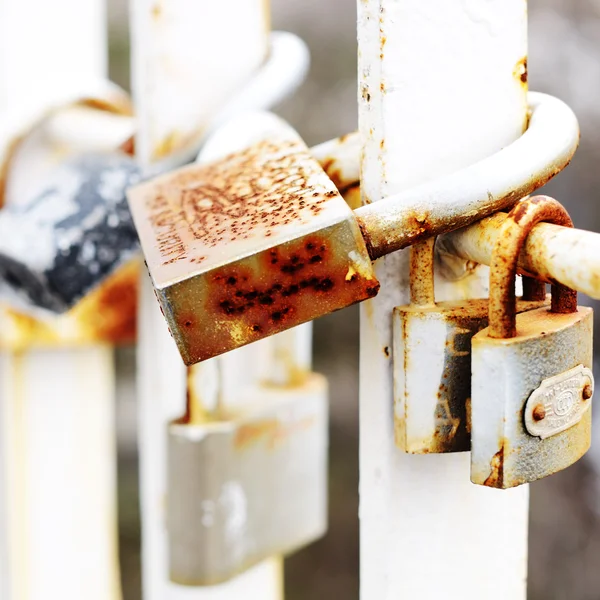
382	87
217	208
539	413
386	351
107	314
364	90
587	392
295	273
520	71
496	477
128	146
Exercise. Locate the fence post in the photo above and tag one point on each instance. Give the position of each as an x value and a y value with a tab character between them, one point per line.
441	85
189	58
58	470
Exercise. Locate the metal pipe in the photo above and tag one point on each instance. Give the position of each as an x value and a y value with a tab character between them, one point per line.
478	190
552	253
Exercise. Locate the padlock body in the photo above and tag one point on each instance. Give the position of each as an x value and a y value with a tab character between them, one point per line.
249	246
505	375
432	373
243	490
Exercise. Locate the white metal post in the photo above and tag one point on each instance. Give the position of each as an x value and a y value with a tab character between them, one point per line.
441	85
57	430
189	58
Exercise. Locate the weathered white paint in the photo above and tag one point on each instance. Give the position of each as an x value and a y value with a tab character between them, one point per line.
437	92
46	46
58	471
185	68
59	479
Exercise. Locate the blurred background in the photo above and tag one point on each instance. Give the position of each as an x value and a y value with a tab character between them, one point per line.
564	60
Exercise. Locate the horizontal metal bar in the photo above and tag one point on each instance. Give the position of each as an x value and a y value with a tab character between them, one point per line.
552	253
492	184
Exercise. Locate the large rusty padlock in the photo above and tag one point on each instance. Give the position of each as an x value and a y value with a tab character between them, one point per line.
531	374
261	240
432	359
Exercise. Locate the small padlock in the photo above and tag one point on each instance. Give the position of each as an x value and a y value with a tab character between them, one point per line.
432	359
532	382
248	486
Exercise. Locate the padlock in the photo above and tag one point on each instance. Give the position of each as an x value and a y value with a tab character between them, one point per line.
432	359
261	241
532	382
82	229
247	486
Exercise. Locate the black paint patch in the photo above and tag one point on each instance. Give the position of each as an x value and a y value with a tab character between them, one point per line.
78	230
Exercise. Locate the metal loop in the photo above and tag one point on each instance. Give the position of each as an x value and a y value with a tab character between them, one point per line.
511	238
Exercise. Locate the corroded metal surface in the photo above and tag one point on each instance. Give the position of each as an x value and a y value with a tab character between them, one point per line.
521	220
493	184
505	373
108	314
514	357
249	246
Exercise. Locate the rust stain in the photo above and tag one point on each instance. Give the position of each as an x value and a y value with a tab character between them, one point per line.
520	72
175	141
287	281
496	477
128	146
243	200
524	216
386	351
123	107
366	95
157	11
108	314
270	431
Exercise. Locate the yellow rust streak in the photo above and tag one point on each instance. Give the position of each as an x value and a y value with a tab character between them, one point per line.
107	315
271	431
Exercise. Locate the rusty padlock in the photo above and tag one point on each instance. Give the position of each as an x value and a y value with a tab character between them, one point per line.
261	240
532	382
432	359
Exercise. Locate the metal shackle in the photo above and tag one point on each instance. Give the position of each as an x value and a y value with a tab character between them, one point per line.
422	290
503	268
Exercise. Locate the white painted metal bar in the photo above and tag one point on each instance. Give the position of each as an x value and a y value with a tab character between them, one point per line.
441	86
186	65
57	420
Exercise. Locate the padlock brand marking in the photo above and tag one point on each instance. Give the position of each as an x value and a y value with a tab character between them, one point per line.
559	403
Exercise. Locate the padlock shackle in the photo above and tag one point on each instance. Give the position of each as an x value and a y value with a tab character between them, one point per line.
422	286
503	269
479	190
